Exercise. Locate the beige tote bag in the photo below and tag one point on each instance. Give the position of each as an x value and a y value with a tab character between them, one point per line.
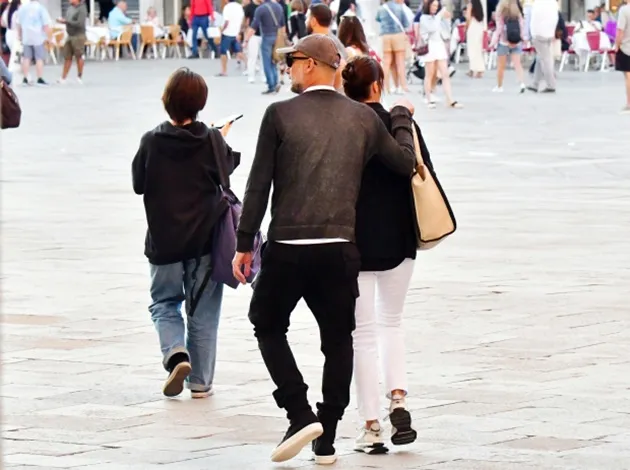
434	218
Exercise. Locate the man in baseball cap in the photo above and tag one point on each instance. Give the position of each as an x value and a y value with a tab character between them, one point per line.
312	150
313	61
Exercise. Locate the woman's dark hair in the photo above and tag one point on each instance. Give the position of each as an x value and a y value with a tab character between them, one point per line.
185	95
477	10
359	75
15	4
351	34
426	9
183	14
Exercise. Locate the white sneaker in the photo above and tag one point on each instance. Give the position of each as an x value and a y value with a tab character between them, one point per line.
62	81
371	441
497	89
79	81
399	91
522	88
400	419
295	440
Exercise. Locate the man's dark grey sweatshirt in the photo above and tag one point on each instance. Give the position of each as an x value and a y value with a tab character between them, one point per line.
313	148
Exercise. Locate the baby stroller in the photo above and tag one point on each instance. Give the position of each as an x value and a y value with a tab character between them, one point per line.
416	67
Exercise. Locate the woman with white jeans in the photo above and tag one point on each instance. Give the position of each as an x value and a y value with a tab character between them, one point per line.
9	21
386	239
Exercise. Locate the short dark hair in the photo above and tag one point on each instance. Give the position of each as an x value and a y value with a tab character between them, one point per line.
185	95
590	11
322	14
359	75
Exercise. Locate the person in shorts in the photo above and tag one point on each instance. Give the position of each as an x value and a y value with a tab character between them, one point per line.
74	47
393	26
233	16
510	23
622	48
33	31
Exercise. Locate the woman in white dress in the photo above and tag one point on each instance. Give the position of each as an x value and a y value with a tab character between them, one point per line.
474	38
434	27
9	21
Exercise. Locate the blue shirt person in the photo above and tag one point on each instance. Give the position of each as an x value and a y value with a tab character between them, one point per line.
117	19
268	19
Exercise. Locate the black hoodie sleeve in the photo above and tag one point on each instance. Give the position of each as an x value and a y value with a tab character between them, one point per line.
139	166
230	159
233	158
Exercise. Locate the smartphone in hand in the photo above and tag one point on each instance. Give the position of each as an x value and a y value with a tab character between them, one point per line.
227	120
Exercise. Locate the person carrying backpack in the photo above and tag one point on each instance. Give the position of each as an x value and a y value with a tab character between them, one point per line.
508	39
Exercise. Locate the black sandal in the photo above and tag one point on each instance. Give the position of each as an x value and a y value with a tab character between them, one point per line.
455	105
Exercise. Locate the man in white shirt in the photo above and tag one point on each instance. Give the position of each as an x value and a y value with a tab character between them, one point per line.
543	23
233	16
33	30
590	25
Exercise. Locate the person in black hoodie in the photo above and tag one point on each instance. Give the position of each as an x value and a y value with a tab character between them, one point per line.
175	169
386	239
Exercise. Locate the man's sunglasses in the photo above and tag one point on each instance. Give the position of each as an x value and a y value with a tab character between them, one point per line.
290	59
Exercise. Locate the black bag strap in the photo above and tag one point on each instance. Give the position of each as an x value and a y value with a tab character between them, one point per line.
224	181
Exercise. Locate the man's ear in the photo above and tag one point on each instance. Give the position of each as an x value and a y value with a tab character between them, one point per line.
338	80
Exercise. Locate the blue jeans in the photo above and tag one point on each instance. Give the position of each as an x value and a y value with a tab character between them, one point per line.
199	22
230	44
507	49
171	285
266	53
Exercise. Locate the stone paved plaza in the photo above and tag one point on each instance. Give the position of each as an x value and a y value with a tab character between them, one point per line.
518	327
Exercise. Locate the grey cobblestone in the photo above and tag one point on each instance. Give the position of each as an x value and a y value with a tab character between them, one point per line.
517	327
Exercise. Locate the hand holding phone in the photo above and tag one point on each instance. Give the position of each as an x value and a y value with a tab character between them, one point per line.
227	120
225	130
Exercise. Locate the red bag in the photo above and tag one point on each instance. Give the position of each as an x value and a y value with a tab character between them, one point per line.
10	106
374	55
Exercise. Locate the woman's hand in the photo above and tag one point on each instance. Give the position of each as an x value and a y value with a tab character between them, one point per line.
226	129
